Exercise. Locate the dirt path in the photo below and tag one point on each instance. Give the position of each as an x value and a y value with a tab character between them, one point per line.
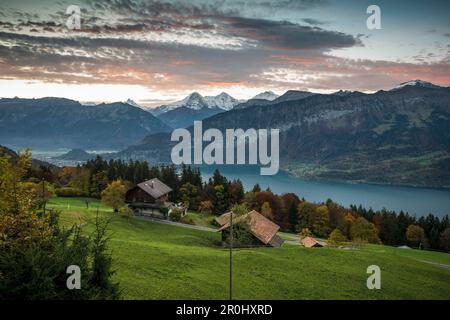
178	224
445	266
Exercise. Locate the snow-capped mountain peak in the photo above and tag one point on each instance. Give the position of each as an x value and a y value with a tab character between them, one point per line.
222	101
416	83
267	95
196	101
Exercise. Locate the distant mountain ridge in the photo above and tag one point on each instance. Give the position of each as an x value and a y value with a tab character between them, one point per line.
57	122
417	83
35	164
400	136
76	155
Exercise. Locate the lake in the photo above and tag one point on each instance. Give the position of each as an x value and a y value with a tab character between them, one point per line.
418	201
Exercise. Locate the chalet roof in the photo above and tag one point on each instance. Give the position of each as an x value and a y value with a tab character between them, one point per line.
155	188
309	242
223	219
261	227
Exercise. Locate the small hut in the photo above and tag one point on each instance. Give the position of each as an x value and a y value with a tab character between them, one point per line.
262	230
310	242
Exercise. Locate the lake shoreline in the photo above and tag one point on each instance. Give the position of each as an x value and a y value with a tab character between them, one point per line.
324	179
416	200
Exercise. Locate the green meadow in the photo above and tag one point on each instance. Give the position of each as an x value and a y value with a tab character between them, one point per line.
159	261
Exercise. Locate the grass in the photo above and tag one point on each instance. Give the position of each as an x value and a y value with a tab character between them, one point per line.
200	219
158	261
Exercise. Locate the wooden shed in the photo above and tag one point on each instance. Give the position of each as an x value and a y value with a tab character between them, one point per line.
263	231
310	242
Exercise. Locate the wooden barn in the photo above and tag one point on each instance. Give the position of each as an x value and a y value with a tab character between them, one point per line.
263	232
151	198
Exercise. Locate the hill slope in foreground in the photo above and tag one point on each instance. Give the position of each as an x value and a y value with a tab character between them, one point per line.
157	261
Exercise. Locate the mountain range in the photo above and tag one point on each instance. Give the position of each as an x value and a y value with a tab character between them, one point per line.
401	136
195	107
57	122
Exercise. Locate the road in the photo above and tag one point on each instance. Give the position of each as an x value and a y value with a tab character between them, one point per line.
178	224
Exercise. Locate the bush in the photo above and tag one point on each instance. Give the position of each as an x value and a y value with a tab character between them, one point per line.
206	207
415	235
187	220
176	214
364	230
336	238
70	192
38	271
242	237
114	195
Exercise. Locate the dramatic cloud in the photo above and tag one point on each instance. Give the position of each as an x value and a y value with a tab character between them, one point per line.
173	47
285	35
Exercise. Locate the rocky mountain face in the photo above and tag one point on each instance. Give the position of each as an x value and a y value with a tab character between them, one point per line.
400	136
56	122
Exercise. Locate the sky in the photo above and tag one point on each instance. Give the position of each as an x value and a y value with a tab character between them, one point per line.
156	52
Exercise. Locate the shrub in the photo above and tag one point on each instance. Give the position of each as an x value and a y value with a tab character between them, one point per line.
176	214
206	207
114	195
37	271
242	236
364	230
415	234
187	220
336	238
70	192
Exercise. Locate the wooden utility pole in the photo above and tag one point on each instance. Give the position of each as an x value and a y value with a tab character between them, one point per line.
231	255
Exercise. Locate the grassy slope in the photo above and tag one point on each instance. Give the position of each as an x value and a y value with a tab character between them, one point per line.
156	261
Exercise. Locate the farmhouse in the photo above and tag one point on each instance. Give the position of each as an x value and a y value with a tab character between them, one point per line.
310	242
151	198
261	230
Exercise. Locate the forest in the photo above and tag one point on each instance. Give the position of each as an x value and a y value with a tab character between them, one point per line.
217	195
